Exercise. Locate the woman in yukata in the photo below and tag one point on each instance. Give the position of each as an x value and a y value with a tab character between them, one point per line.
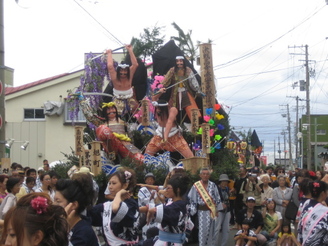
173	216
118	217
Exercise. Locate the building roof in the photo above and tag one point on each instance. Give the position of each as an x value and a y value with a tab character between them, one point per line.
11	90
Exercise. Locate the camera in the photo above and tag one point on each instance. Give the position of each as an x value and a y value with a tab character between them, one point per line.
252	175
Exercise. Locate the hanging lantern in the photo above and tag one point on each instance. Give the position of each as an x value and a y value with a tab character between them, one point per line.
231	145
243	145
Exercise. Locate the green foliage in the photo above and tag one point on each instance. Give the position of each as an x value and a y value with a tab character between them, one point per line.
149	42
224	162
141	170
185	43
62	169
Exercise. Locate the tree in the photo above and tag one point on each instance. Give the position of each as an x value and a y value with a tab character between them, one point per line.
149	42
185	43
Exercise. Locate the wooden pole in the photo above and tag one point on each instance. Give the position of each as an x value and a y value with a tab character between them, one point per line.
207	76
95	157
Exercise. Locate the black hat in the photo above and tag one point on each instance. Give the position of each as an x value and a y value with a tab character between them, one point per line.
246	222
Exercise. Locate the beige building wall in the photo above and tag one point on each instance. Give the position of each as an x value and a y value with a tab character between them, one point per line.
48	138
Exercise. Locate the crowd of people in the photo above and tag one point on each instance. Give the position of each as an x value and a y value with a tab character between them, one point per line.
279	208
58	211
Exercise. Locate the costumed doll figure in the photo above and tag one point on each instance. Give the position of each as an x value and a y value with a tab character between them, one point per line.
168	136
185	87
113	134
124	96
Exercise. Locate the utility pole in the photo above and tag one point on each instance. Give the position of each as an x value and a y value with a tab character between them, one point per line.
307	87
308	151
2	81
289	140
285	153
279	150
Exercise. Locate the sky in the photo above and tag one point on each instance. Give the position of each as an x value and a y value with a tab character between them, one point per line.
258	48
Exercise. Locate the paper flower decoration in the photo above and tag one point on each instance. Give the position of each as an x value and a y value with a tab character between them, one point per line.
196	146
207	118
209	111
220	127
217	106
211	132
219	116
200	131
217	137
211	122
217	146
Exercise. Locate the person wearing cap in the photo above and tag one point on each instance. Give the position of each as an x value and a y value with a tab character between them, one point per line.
168	136
245	236
255	219
124	96
224	214
185	87
252	187
146	199
205	200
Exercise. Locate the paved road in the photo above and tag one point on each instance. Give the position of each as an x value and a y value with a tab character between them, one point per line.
230	241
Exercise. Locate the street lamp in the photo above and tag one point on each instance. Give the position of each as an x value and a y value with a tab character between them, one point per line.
24	146
9	142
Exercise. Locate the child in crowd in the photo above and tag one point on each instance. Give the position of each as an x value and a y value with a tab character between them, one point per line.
245	236
286	237
30	183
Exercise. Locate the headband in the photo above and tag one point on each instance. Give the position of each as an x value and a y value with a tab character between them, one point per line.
156	104
110	104
123	65
179	58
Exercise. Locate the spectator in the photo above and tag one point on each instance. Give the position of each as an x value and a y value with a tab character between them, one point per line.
224	214
239	187
34	221
30	184
45	187
253	189
3	182
46	166
146	199
266	190
13	185
245	236
282	195
205	200
255	218
286	237
272	221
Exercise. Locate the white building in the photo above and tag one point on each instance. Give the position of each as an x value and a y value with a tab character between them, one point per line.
49	135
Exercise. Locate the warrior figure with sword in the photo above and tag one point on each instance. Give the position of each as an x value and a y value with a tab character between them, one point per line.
168	136
184	87
124	96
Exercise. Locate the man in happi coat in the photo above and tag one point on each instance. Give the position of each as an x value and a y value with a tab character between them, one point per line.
205	200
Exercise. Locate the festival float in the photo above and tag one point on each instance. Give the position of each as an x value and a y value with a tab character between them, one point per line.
108	144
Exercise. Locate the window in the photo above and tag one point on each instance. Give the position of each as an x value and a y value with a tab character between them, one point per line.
80	116
321	132
33	114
